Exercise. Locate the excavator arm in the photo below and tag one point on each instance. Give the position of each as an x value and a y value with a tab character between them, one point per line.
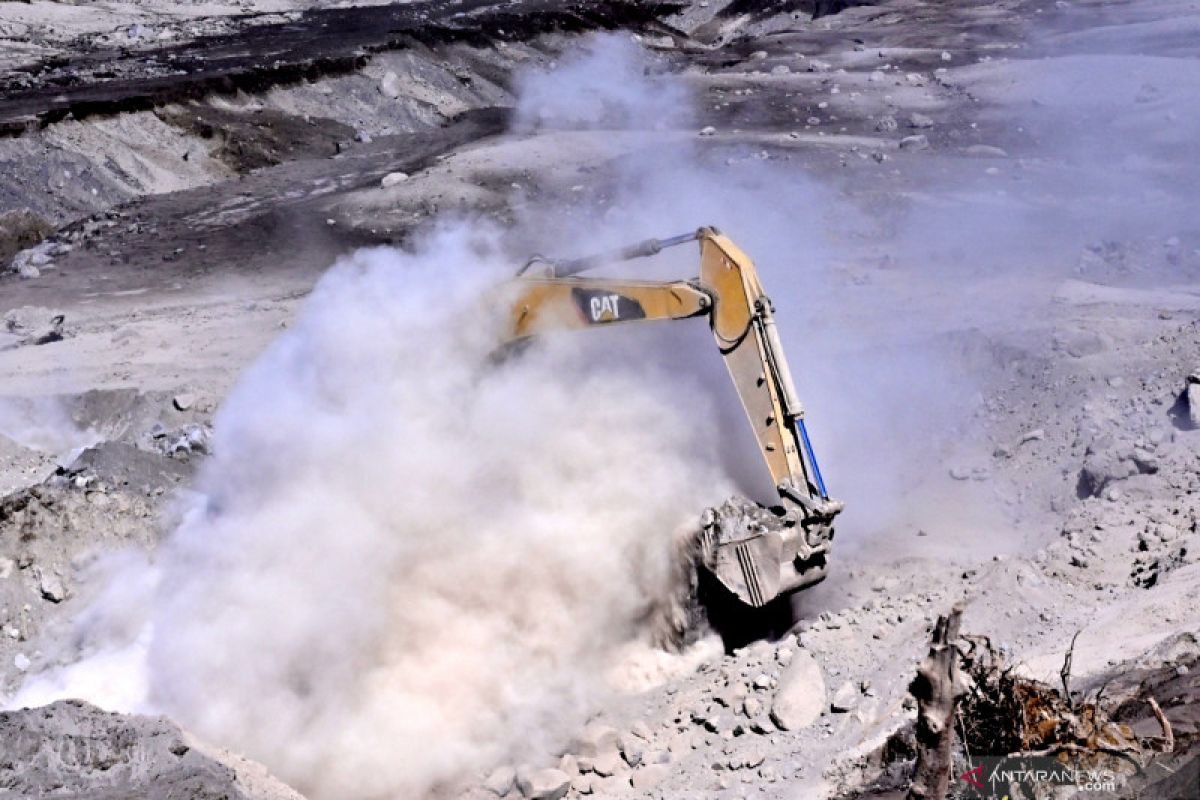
755	553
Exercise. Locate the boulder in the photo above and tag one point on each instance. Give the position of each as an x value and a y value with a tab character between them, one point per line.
544	784
800	696
1193	398
649	776
393	179
597	739
391	86
501	781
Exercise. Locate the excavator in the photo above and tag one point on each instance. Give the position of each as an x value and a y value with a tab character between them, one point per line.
756	553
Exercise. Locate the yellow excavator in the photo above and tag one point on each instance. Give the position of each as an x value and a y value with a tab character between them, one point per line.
757	554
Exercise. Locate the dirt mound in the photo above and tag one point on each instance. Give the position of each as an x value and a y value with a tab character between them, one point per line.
71	749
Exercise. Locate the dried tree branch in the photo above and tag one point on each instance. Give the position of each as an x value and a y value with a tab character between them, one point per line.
1168	734
1065	672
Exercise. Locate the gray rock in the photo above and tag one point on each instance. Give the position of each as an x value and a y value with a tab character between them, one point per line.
633	751
920	121
608	764
72	749
915	142
49	585
650	776
598	739
544	784
184	401
800	696
1079	343
391	86
887	124
1193	398
845	698
569	764
393	179
501	781
985	151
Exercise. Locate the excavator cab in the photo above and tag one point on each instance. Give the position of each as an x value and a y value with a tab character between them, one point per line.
756	553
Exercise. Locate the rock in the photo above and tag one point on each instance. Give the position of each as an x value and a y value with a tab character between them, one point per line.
887	124
391	86
845	698
393	178
985	151
29	263
708	130
920	121
49	585
598	739
1035	435
1106	462
544	784
21	662
1193	399
633	752
184	401
915	142
649	776
501	781
817	65
608	764
782	69
800	696
1079	343
752	707
758	55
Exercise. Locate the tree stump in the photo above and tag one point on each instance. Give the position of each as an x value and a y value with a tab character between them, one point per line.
939	684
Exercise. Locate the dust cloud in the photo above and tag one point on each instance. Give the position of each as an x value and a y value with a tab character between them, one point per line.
43	424
409	561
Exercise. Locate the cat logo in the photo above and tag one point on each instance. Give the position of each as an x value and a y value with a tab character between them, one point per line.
599	307
606	308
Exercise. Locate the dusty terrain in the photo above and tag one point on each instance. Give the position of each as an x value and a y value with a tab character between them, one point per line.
977	223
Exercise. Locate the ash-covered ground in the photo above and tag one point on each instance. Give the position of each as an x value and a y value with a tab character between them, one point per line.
274	524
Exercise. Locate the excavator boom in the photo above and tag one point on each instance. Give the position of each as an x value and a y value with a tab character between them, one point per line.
756	556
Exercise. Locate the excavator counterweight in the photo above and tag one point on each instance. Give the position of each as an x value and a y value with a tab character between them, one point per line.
757	554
